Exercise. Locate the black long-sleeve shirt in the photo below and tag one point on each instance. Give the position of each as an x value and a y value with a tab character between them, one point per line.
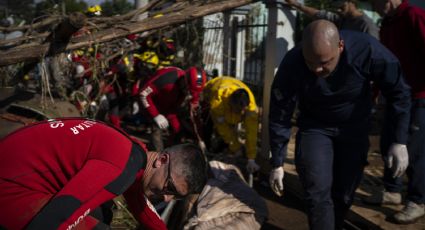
340	99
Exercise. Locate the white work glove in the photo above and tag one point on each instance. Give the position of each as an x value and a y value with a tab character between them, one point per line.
135	108
161	121
251	166
79	70
276	180
397	159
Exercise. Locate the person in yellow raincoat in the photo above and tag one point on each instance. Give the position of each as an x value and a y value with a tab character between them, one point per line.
230	102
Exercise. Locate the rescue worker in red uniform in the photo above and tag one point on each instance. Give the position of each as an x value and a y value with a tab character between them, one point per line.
166	93
403	33
55	174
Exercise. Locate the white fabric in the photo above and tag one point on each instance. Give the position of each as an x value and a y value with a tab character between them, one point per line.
397	159
79	69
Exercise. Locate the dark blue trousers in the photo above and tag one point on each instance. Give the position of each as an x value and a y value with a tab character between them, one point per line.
330	163
416	148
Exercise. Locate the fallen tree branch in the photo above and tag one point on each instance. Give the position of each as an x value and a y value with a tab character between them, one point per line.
33	52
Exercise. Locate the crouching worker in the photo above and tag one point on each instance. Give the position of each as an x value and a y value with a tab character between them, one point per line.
165	95
231	102
58	174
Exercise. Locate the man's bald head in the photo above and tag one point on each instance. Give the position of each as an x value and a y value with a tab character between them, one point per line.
320	34
321	47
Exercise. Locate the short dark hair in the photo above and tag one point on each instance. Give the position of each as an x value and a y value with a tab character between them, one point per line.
190	163
240	98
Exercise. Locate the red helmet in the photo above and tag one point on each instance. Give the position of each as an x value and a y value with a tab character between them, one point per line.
195	79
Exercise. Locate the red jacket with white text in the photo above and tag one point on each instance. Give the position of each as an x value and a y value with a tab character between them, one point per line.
54	174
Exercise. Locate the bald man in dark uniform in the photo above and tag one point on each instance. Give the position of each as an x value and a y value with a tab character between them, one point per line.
330	77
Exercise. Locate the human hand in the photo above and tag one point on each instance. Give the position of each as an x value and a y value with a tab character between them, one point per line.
161	121
251	166
397	159
276	180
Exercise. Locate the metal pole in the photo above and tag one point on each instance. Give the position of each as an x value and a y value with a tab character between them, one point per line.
233	47
269	72
226	43
280	31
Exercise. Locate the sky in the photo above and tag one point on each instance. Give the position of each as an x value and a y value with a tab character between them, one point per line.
94	2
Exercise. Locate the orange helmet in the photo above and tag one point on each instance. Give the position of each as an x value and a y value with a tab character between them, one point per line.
195	79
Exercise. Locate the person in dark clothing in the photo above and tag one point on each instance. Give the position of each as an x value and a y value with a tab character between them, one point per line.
403	32
330	77
58	174
347	16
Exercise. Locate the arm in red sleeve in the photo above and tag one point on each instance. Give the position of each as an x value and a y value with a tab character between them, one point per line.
146	95
419	22
142	210
174	122
78	198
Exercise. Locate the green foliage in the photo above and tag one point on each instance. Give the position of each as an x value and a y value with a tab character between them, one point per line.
188	38
21	10
48	7
115	7
75	6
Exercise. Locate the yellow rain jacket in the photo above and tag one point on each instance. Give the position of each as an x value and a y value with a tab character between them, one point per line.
217	93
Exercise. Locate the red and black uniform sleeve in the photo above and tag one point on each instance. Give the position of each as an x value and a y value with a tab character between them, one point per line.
162	95
147	93
53	174
409	48
141	209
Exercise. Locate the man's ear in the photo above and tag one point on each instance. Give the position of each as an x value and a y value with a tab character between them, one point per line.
162	159
341	46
